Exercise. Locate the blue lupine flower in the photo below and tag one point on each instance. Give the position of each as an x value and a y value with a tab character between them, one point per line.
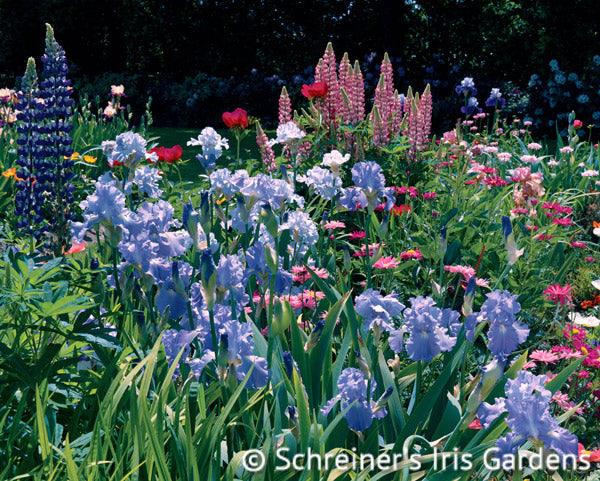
303	231
505	332
55	178
431	330
323	181
29	196
377	310
354	395
527	405
466	87
495	99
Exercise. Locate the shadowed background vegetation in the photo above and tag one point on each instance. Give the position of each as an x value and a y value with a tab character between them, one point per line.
200	56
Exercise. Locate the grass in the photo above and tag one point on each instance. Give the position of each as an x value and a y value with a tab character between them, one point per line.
190	169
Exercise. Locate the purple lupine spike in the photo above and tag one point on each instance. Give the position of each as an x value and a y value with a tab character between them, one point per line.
55	172
29	198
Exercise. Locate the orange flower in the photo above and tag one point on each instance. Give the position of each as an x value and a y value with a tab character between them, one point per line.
11	173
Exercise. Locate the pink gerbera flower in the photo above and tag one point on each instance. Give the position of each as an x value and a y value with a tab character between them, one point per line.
334	224
559	294
386	263
544	356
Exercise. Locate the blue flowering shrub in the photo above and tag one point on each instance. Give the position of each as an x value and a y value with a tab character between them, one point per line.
357	290
555	92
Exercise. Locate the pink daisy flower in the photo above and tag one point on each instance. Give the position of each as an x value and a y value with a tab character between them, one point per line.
546	357
334	224
386	263
414	254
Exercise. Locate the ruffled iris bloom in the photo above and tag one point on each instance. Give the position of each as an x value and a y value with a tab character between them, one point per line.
369	188
323	182
505	333
527	408
354	394
303	231
377	310
471	107
212	147
495	99
128	149
466	87
431	330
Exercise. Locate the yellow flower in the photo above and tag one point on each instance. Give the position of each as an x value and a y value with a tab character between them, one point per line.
221	200
89	159
73	156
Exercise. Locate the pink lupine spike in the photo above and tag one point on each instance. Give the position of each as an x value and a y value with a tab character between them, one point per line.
346	86
358	93
266	151
396	114
380	131
334	98
387	71
285	107
426	108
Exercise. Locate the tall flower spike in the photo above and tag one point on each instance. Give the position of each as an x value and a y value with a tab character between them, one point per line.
425	108
29	198
333	99
285	107
55	91
266	151
387	71
358	93
346	86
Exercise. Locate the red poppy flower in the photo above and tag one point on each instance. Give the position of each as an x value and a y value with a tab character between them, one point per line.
577	123
314	90
236	119
168	154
